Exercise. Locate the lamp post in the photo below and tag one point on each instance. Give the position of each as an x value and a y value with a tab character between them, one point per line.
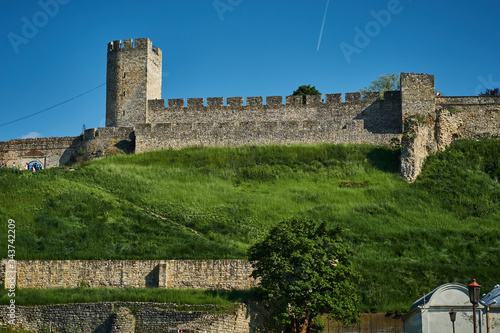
474	299
453	316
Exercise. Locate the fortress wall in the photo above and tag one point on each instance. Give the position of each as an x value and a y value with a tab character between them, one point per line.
181	274
371	120
129	317
95	273
209	274
475	116
50	152
466	118
417	94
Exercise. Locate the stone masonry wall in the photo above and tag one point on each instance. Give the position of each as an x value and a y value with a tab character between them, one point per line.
209	274
129	317
49	152
451	119
466	118
370	120
198	274
133	77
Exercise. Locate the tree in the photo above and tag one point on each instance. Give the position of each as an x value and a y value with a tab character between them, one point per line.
304	271
491	92
387	82
305	90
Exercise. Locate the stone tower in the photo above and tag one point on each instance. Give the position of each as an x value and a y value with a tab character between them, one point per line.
133	78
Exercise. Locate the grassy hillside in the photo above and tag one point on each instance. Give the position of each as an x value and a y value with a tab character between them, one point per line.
202	203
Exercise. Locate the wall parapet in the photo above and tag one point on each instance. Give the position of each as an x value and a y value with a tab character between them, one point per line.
468	100
292	100
129	44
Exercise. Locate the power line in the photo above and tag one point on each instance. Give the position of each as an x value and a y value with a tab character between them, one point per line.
53	106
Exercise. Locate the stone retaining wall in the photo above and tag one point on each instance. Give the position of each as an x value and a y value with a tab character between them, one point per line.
180	274
143	317
129	317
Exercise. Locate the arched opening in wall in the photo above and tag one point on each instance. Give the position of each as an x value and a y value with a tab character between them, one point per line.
36	164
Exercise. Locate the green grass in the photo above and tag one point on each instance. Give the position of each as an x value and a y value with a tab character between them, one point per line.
213	203
204	300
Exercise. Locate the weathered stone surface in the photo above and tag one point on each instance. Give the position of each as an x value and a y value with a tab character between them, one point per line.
129	317
143	317
180	274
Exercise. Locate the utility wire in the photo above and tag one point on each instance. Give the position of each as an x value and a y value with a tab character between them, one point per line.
53	106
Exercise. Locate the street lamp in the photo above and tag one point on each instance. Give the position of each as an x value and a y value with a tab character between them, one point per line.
453	317
474	299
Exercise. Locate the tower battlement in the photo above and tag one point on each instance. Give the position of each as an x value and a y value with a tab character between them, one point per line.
128	44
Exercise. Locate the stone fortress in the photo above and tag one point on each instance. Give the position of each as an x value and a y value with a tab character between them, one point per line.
138	120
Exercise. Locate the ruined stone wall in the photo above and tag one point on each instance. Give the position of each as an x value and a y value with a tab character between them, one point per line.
143	317
49	152
370	120
181	274
129	317
105	141
418	109
466	118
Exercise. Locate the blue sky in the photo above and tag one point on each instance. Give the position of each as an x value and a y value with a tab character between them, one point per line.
54	50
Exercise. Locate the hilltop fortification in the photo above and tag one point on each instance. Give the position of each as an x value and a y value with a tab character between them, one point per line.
138	120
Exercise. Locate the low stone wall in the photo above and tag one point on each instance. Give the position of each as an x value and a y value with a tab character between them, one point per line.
49	152
129	317
209	274
198	274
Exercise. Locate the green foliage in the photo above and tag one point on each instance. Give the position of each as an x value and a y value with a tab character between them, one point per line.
305	90
490	92
214	203
206	300
385	82
305	270
466	177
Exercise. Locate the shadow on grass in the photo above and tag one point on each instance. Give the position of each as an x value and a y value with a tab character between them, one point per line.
385	159
239	296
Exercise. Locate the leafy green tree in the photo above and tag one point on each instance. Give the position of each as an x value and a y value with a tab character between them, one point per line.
490	92
304	271
386	82
305	90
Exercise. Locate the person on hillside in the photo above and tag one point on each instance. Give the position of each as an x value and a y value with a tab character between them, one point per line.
26	166
33	168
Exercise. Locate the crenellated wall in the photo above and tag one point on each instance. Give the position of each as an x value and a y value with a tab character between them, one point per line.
138	120
229	122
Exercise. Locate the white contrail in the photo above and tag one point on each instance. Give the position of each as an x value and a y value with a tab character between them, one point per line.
322	25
